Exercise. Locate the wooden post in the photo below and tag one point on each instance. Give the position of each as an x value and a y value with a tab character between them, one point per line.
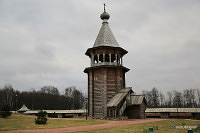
108	113
103	57
115	112
97	58
110	57
92	60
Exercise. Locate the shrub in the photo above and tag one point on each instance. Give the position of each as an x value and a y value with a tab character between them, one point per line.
41	118
5	111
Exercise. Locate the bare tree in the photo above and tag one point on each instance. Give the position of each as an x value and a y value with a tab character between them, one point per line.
7	95
75	98
193	98
177	99
155	97
169	100
148	97
186	98
198	97
48	97
189	98
152	97
162	99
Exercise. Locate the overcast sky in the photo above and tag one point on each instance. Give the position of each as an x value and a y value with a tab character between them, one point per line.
43	42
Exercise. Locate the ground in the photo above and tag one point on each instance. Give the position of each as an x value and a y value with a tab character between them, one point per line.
24	122
95	126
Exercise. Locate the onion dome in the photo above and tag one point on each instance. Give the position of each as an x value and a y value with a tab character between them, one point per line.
104	15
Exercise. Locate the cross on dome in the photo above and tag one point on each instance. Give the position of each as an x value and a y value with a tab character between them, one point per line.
104	15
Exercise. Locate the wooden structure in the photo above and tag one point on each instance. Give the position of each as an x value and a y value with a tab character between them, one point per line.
119	103
106	76
108	95
59	113
23	109
137	107
173	113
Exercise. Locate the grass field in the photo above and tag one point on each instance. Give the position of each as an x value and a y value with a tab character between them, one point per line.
163	127
23	122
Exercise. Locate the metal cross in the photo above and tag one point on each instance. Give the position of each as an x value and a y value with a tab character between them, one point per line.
104	7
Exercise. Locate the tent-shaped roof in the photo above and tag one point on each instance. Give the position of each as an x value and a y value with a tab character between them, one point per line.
105	37
23	108
118	97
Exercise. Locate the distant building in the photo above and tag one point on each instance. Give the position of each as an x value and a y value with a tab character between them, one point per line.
23	109
108	95
173	113
137	107
59	113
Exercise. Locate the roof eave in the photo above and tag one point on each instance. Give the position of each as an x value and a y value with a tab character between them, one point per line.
94	67
88	52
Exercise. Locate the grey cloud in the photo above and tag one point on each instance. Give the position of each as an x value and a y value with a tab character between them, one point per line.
44	42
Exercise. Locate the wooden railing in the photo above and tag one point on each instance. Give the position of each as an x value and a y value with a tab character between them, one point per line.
106	63
121	111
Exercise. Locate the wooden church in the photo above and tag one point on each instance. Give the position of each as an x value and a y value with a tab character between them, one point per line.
108	96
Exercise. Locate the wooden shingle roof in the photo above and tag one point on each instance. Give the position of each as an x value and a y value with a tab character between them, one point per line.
57	111
137	99
105	37
183	110
118	97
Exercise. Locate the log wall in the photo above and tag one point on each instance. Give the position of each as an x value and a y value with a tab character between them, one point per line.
103	84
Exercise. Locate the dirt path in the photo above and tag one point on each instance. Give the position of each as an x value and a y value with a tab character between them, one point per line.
109	124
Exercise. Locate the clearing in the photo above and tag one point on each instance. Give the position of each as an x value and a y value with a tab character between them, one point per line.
25	124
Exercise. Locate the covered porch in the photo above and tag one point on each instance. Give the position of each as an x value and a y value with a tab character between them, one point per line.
117	105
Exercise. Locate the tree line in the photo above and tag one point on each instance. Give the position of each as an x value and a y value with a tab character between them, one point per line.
188	98
47	98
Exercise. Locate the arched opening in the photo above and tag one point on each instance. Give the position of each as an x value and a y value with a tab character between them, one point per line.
106	58
101	58
95	59
113	59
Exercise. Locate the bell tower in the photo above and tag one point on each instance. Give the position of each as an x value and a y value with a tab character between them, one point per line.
106	75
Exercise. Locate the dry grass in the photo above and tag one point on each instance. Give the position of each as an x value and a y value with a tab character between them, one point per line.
23	122
163	127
